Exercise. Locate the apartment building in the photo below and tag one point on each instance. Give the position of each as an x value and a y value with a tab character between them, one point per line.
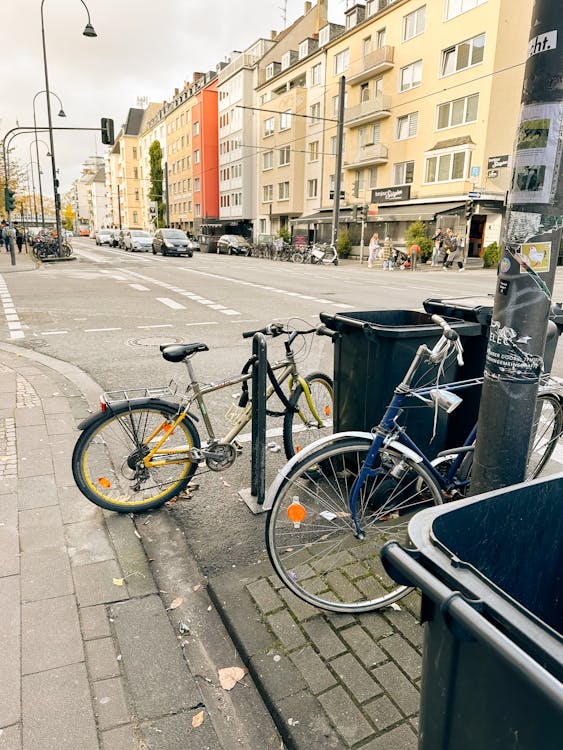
153	128
431	109
205	153
238	131
123	174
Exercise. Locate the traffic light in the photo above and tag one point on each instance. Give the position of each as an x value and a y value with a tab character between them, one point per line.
362	212
468	209
9	199
107	131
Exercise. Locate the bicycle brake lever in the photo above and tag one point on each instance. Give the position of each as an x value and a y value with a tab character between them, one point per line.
459	348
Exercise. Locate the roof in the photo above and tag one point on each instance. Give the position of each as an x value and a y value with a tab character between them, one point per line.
134	121
452	143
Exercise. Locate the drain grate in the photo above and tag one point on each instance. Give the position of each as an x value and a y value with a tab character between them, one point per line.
156	341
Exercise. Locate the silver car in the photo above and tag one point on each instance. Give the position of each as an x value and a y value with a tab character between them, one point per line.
137	239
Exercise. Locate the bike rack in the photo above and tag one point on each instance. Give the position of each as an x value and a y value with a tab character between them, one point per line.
255	497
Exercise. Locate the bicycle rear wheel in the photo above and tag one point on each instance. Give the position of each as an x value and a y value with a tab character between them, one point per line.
548	425
311	537
301	428
108	458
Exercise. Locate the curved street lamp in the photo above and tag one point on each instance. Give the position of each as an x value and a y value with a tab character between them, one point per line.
88	31
61	114
39	173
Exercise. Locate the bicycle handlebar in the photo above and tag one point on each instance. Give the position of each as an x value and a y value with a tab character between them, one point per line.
277	329
324	331
448	331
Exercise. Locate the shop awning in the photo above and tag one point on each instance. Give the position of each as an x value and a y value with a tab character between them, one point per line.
322	217
415	211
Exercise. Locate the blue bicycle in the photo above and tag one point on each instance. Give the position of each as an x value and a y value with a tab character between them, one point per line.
335	504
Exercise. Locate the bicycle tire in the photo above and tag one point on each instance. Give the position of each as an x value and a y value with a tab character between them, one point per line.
102	460
546	431
297	257
310	534
302	423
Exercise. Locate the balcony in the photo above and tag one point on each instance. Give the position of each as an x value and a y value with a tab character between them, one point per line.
372	64
374	109
367	156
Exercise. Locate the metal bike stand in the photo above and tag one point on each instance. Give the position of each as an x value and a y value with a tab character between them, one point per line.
255	496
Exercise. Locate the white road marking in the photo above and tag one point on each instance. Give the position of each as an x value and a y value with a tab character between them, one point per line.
96	330
160	325
52	333
207	323
139	287
12	318
171	303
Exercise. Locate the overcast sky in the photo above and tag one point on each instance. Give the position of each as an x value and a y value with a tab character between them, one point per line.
143	48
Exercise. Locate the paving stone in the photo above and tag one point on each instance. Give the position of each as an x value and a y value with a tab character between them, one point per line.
35	463
323	637
74	506
41	528
57	710
101	659
95	622
365	648
87	542
45	574
10	738
131	555
299	609
94	583
407	625
50	634
398	688
403	654
306	724
30	415
400	738
10	648
314	671
277	676
9	538
32	437
56	405
286	629
59	424
264	596
157	674
35	494
376	624
110	703
177	733
345	716
121	738
382	712
357	680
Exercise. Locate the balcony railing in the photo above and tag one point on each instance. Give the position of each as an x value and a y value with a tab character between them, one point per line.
371	65
376	153
373	109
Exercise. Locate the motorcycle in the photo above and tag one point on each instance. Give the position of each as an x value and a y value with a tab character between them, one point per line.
324	253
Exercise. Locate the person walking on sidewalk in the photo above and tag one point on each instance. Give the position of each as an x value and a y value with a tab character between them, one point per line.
387	254
456	253
373	249
438	240
414	255
5	235
19	238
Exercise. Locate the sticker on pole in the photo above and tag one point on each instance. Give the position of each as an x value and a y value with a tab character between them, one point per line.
535	255
508	361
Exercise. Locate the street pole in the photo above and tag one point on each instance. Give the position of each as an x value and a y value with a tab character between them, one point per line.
337	176
119	206
531	243
166	188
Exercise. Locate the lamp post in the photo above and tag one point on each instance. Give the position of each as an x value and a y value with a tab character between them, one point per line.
61	114
39	173
88	31
31	163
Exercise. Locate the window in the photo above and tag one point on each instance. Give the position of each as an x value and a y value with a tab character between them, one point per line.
413	23
333	145
196	156
378	86
286	60
315	113
285	120
283	156
380	38
196	184
364	92
198	209
313	151
135	173
334	105
407	126
267	193
269	71
196	127
366	46
463	55
341	61
136	195
316	71
262	226
324	36
410	76
134	152
268	127
268	160
457	7
447	167
457	112
135	217
403	173
303	49
373	177
312	188
283	191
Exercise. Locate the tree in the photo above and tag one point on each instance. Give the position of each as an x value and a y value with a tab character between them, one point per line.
155	192
68	217
416	235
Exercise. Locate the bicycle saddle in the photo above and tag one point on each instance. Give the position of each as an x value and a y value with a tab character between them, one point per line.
178	352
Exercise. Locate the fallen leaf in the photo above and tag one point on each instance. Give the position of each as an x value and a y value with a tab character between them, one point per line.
197	586
197	720
226	483
176	603
229	676
118	581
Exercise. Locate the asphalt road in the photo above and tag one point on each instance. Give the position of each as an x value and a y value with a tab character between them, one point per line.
108	311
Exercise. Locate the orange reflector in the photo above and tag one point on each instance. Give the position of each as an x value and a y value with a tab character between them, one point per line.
167	427
104	482
297	448
327	410
296	512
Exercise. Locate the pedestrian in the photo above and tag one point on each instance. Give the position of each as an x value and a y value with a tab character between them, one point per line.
448	248
438	240
5	235
414	255
387	254
455	253
19	238
373	249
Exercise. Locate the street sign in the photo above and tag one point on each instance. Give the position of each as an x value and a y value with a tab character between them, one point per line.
475	171
473	195
152	208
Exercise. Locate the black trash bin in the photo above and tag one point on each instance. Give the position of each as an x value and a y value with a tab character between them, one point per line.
480	310
370	359
490	569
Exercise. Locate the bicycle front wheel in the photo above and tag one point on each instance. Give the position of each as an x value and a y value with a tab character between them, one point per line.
303	427
311	537
546	431
109	465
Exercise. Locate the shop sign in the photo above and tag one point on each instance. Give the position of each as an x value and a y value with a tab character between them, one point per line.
391	194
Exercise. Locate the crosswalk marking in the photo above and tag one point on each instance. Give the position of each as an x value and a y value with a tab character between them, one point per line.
171	303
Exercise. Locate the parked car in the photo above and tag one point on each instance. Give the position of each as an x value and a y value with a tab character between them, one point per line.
171	242
114	238
103	237
137	239
193	244
233	244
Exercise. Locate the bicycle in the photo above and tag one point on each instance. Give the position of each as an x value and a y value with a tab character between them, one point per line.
142	449
335	504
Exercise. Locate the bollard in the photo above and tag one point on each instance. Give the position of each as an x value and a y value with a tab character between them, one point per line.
258	468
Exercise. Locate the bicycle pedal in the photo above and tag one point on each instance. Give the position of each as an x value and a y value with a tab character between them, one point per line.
238	447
